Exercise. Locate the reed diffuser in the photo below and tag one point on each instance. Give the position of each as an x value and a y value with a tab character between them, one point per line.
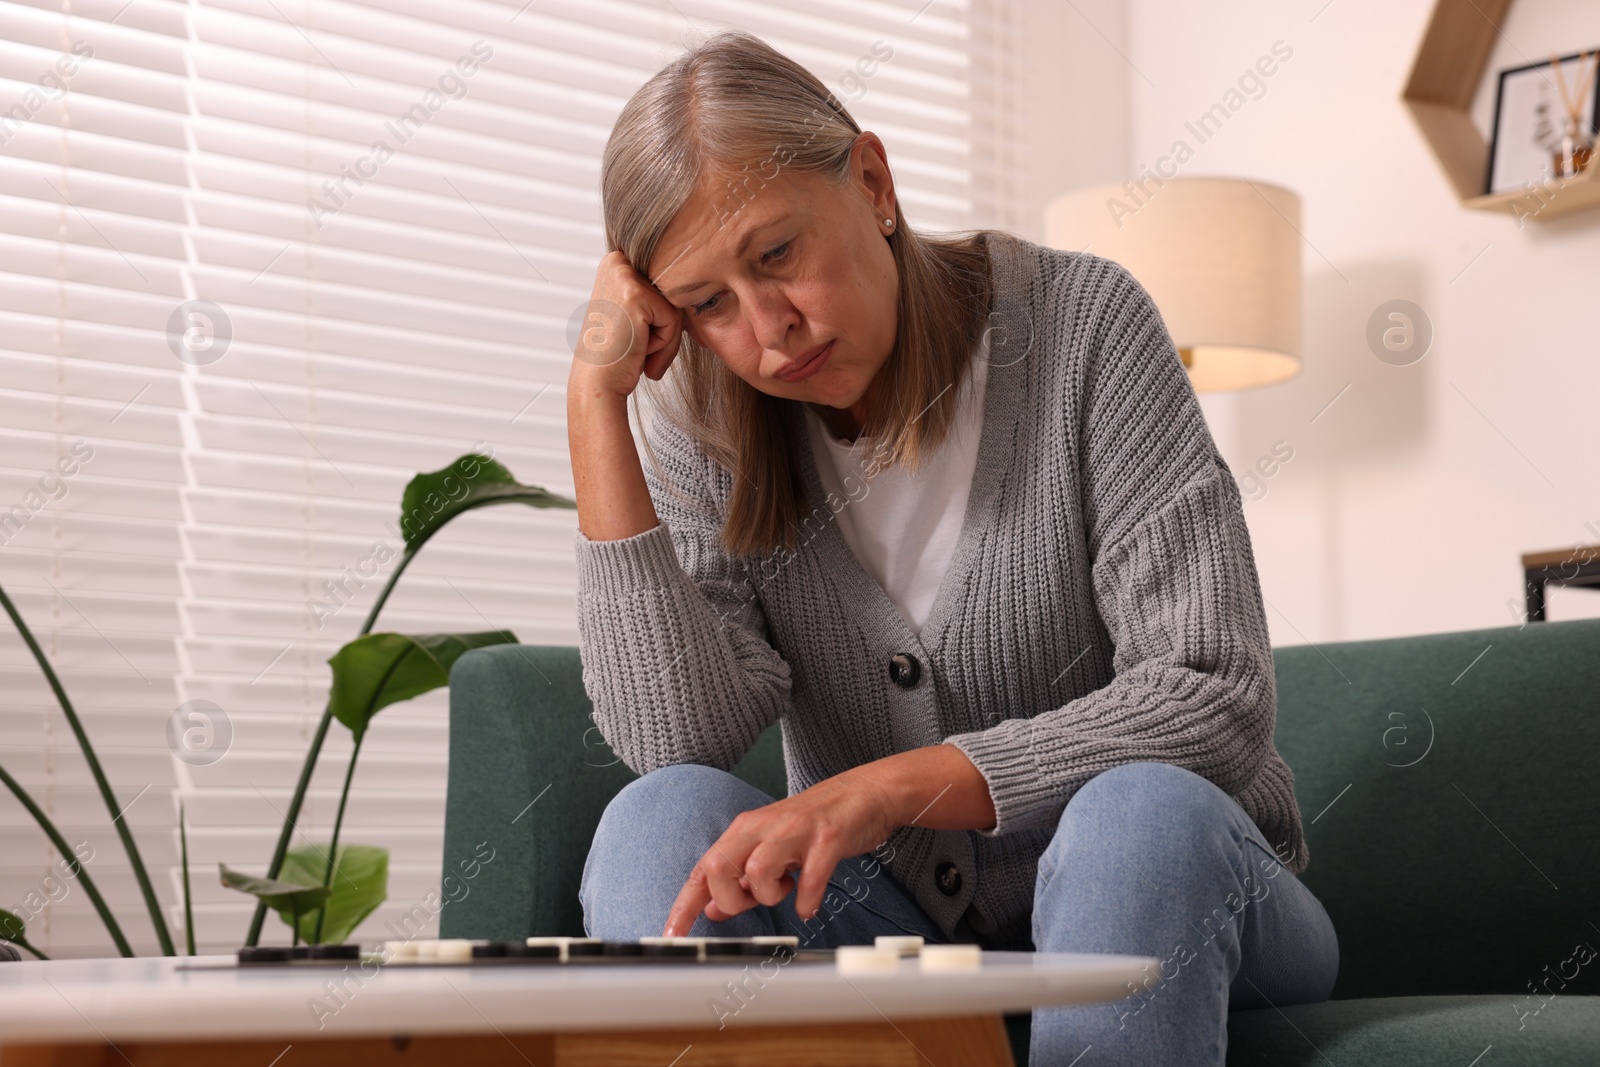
1573	151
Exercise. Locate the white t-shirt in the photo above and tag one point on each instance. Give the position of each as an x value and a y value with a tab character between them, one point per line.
903	527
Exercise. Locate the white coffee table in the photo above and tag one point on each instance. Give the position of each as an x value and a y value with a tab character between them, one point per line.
207	1011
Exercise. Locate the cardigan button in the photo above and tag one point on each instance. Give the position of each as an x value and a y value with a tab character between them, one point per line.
904	670
948	878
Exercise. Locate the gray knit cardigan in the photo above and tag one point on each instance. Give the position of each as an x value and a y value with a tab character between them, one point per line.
1102	606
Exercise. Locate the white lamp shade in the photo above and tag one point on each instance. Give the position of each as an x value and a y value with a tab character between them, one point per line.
1219	256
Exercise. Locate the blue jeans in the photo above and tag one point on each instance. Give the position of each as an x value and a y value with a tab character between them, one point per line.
1148	859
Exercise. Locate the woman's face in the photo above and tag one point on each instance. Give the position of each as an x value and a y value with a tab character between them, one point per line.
771	274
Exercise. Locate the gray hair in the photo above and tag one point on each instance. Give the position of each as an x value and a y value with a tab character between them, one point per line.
734	109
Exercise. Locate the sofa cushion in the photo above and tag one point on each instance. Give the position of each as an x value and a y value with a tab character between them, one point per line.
1446	782
1419	1032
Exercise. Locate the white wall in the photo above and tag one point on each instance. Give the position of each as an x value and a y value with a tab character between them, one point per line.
1408	502
1076	119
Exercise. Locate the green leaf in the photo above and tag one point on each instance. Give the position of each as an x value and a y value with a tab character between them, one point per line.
377	670
435	497
188	899
281	894
13	929
360	884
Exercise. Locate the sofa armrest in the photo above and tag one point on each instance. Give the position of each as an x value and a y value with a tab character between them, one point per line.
526	782
530	776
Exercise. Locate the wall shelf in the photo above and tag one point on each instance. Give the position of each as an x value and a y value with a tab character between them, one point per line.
1444	78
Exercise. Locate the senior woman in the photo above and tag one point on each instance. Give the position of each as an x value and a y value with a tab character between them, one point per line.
947	510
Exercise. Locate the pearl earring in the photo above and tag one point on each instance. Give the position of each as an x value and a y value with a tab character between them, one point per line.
889	223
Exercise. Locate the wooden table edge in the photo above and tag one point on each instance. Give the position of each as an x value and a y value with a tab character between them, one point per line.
976	1040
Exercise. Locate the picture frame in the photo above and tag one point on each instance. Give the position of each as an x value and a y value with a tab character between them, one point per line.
1529	118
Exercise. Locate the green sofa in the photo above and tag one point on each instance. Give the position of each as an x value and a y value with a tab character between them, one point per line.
1448	784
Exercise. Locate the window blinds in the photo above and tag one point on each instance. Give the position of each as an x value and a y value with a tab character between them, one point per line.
260	262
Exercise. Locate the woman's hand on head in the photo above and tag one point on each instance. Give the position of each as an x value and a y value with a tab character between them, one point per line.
628	329
846	815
